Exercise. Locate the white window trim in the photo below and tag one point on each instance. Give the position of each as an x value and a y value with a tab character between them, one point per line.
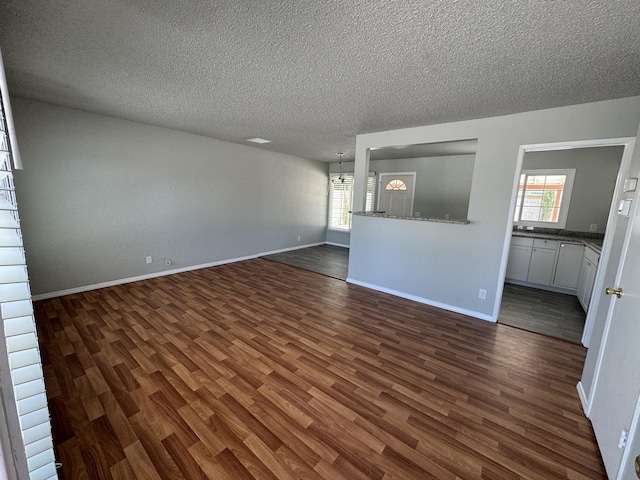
566	198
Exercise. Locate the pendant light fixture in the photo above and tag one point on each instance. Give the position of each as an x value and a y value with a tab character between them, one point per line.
341	176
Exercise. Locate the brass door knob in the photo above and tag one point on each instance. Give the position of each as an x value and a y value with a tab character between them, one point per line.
614	291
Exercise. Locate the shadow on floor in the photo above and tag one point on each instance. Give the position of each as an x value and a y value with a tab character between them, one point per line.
550	313
325	259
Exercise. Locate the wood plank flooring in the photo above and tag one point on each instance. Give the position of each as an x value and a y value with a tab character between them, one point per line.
260	370
325	259
541	311
530	309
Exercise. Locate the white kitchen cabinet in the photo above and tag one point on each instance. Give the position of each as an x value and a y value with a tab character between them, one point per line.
519	258
568	265
543	261
587	277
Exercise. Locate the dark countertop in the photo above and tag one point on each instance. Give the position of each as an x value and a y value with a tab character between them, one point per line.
419	219
593	243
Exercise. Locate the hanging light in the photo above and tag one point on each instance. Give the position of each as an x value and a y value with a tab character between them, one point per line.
341	176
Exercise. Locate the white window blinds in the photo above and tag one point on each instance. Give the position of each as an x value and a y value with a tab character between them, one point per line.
341	199
27	418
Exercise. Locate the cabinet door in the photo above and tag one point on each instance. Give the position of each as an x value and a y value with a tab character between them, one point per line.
542	265
518	263
589	281
582	283
570	257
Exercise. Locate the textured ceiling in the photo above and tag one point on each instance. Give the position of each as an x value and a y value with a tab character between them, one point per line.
311	74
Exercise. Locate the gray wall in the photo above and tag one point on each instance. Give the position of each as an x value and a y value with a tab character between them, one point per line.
443	184
444	264
335	237
596	173
99	194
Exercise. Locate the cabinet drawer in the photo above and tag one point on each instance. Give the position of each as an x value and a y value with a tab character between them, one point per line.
544	243
522	241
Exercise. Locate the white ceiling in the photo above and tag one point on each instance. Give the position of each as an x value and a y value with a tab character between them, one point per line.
312	74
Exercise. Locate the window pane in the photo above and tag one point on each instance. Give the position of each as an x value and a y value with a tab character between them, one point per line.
341	199
340	195
540	198
396	184
371	194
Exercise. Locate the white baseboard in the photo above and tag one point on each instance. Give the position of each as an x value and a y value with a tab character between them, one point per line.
444	306
121	281
583	399
549	288
337	244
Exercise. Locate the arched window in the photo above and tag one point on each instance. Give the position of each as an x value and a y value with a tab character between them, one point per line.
396	184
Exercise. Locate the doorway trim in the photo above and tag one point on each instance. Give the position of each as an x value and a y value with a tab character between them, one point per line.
628	144
391	174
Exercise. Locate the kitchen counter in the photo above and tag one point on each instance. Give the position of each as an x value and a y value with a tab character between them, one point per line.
419	219
590	242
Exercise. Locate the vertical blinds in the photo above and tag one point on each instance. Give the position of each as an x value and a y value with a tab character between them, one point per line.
19	330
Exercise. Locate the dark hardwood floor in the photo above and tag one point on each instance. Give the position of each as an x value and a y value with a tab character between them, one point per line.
261	370
325	259
540	311
549	313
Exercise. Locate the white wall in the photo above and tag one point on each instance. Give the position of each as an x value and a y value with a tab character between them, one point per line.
596	173
446	264
99	194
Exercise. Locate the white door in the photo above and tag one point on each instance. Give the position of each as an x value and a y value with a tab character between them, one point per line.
616	385
630	468
395	193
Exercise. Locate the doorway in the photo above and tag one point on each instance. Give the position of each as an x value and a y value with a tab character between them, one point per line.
396	193
547	303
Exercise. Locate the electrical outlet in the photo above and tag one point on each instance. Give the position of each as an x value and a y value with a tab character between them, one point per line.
482	294
298	237
593	227
149	259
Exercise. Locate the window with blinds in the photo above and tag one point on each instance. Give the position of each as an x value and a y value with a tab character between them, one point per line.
341	199
25	407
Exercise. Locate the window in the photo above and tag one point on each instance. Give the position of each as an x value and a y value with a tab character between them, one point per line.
543	198
396	184
341	198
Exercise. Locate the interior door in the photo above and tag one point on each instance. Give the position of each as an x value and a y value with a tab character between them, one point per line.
616	387
396	193
630	468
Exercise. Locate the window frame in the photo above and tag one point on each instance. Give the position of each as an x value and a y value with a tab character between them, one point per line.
567	192
369	202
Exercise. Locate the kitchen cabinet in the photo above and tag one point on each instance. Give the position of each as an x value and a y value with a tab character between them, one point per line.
568	265
519	258
587	277
543	261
